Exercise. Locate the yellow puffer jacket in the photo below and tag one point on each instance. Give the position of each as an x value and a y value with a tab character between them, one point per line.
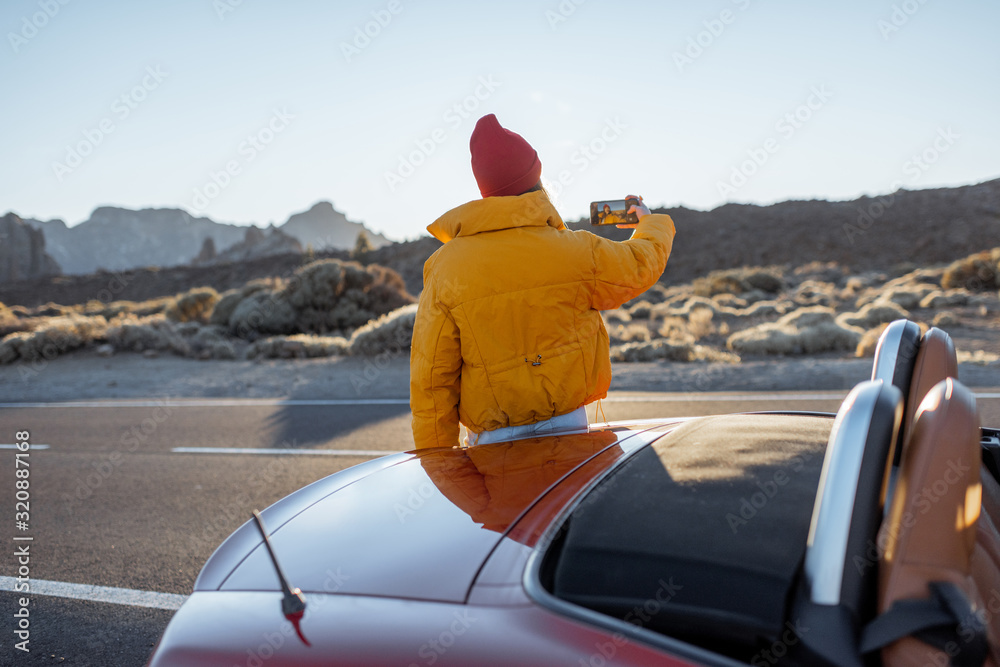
508	329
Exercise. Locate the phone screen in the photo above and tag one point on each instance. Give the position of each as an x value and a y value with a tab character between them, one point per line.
609	212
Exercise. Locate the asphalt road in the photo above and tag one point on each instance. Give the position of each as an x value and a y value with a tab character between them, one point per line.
113	504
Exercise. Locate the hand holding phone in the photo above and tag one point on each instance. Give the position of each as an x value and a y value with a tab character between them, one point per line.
623	213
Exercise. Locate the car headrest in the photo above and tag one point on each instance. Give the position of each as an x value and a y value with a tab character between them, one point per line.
930	530
895	360
849	502
896	354
936	360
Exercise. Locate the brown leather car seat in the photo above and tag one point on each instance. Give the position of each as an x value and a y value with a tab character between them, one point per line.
929	537
914	363
936	360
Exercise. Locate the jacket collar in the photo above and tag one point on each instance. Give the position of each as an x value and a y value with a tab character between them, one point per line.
532	209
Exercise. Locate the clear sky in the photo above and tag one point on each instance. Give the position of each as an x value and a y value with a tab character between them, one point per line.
248	110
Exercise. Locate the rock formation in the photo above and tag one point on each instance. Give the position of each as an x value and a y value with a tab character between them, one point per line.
22	252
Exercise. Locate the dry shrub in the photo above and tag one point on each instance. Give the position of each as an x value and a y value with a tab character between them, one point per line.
225	306
206	342
655	294
228	300
765	309
906	297
116	308
53	337
700	322
719	282
52	310
978	357
321	297
805	331
816	293
195	305
946	320
675	329
299	346
738	281
156	333
975	273
869	340
618	316
670	351
730	301
628	333
939	299
153	332
824	272
766	280
873	314
10	322
391	333
640	310
262	313
684	306
331	295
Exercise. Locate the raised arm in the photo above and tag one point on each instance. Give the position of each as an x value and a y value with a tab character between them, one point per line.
624	270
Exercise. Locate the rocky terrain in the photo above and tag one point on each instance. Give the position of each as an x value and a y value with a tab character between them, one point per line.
22	252
256	243
915	228
827	304
331	307
119	239
902	230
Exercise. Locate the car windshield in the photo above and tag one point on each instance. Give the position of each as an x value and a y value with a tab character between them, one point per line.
700	535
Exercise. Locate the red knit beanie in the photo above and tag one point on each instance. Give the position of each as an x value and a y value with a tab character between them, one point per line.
502	161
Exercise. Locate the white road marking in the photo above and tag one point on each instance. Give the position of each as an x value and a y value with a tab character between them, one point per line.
33	446
300	452
126	596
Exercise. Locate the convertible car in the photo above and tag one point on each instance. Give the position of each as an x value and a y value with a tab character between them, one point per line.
862	538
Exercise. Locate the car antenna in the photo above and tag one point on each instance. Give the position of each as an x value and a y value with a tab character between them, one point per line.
293	603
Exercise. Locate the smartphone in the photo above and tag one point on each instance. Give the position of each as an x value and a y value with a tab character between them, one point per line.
613	212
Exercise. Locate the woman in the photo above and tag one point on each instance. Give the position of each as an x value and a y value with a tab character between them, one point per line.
509	339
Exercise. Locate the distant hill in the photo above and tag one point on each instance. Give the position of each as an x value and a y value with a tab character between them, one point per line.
325	228
919	228
117	239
